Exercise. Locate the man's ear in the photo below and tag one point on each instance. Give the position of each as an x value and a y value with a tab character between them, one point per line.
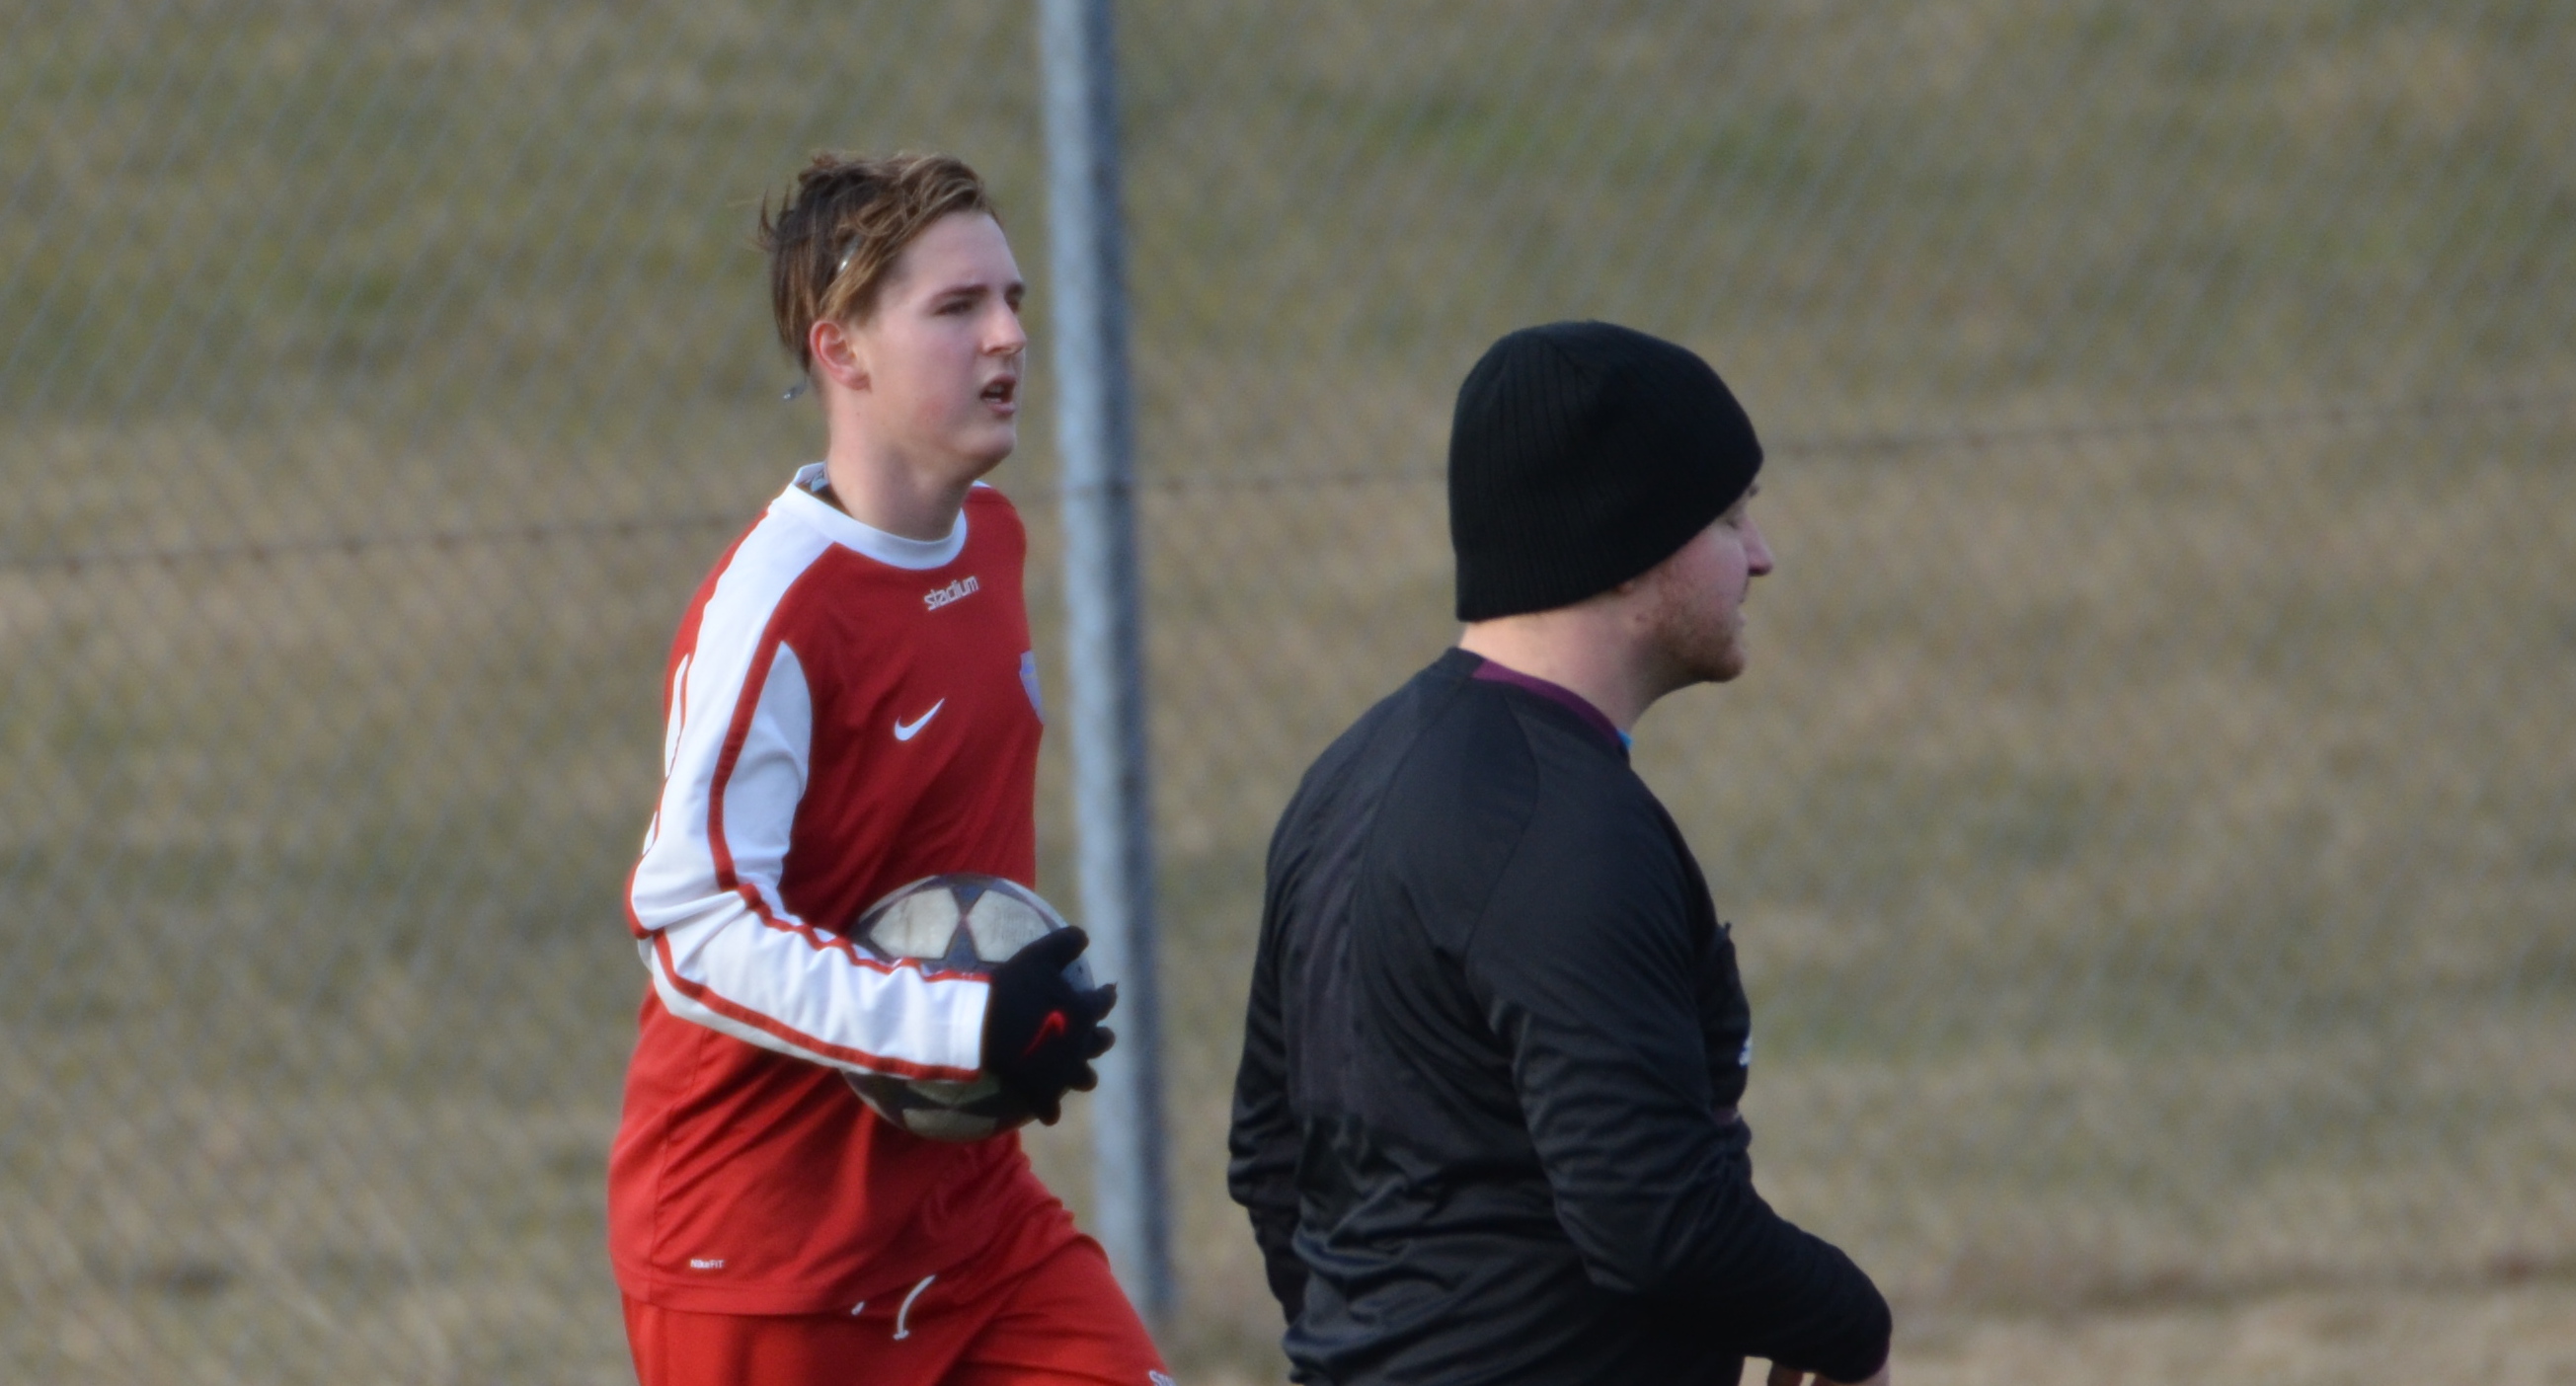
836	354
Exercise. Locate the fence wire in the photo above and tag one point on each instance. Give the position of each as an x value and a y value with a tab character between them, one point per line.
2147	822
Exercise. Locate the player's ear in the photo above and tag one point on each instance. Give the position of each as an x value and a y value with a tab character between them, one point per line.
837	354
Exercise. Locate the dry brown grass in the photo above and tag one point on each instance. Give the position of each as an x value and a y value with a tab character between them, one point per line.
2147	829
2138	854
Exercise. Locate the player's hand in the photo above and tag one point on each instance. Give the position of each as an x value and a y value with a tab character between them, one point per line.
1040	1031
1791	1376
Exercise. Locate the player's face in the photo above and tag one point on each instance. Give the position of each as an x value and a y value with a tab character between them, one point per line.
1700	596
944	349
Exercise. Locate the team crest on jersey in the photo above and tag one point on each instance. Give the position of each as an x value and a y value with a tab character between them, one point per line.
1029	682
959	590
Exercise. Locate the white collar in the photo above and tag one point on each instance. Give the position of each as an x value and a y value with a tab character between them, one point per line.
801	499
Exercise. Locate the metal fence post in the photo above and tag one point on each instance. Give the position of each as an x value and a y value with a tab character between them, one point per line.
1112	795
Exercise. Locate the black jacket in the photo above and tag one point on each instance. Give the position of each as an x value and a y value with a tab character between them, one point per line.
1484	1122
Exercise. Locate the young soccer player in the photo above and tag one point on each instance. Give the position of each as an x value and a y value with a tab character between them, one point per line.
852	704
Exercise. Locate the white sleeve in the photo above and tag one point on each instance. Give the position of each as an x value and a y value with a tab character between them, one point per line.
723	948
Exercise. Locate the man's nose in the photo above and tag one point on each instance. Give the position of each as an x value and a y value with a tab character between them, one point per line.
1009	338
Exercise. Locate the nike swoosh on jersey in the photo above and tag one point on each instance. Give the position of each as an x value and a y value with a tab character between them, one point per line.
905	731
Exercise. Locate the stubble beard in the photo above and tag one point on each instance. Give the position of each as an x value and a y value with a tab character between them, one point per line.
1717	654
1700	645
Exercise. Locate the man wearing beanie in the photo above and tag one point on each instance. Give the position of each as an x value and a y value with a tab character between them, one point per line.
1485	1122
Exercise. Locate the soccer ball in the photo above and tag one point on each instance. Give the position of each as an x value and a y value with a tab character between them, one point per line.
954	923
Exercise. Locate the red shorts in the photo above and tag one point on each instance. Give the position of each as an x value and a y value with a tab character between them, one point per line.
1063	1319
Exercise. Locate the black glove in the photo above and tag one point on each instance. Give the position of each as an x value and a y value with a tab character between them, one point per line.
1041	1032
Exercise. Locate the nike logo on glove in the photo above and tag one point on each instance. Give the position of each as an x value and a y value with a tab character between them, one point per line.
905	731
1051	1028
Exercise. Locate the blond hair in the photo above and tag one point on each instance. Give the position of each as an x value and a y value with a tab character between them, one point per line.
837	234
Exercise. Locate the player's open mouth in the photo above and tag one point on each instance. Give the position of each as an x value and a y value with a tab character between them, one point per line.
1003	392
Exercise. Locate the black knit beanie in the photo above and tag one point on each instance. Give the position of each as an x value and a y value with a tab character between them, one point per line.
1583	454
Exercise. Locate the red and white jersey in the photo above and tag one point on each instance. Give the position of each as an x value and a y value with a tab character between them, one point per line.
847	711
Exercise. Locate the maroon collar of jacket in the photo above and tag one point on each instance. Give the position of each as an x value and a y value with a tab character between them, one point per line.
1490	672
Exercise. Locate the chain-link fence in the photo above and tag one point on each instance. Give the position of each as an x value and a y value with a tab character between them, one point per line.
2150	821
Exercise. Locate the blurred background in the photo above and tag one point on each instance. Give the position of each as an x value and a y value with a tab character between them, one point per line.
2150	821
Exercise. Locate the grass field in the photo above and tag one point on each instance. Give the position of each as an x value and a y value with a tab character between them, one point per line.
2147	823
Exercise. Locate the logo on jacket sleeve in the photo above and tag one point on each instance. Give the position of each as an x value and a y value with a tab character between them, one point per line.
1029	682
